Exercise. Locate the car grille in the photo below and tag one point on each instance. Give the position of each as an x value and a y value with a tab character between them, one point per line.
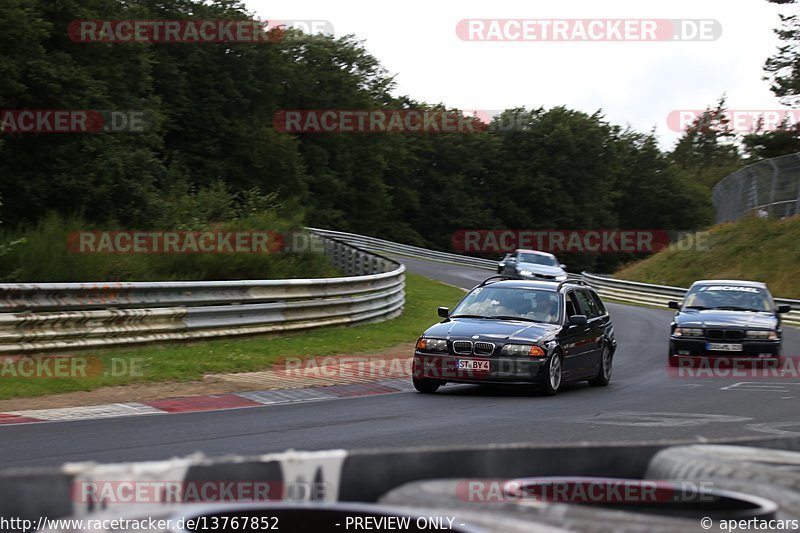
724	334
484	348
462	347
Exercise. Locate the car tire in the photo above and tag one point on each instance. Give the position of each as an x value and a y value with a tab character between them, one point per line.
672	361
765	472
604	372
450	494
426	386
555	375
755	465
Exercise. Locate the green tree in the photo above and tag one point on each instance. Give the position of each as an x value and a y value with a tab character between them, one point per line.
783	68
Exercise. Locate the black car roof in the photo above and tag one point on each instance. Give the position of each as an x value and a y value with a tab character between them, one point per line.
734	282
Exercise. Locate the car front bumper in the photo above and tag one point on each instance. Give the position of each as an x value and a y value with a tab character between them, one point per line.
501	369
542	277
751	349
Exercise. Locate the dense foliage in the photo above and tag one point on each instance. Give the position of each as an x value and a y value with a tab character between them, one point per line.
783	72
212	108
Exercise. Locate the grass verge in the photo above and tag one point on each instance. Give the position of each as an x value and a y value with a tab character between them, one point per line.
755	249
190	362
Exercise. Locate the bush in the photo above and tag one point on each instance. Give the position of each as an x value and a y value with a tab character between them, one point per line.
41	253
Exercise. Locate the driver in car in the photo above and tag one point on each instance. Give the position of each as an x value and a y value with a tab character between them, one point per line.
518	305
546	308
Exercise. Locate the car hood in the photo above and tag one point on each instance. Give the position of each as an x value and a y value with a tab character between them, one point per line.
719	318
491	330
541	269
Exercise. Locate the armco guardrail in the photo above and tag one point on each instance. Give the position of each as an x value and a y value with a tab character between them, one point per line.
389	247
47	316
659	295
361	475
625	291
39	317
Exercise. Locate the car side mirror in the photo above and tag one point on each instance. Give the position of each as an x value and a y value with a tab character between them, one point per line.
578	320
785	308
443	312
672	304
563	266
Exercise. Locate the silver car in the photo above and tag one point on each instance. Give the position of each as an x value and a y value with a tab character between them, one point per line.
532	264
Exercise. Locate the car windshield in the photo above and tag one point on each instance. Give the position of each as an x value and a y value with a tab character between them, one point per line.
730	297
505	303
538	259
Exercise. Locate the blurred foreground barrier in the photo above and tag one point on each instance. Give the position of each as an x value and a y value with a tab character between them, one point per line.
47	316
91	489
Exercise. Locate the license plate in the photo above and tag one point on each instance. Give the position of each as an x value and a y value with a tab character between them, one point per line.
723	347
472	365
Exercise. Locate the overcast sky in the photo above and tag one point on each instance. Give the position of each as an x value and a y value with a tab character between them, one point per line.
636	83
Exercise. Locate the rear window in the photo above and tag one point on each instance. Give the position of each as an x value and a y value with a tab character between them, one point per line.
587	304
598	302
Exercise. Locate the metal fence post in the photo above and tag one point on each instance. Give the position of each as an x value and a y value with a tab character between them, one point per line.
775	172
797	203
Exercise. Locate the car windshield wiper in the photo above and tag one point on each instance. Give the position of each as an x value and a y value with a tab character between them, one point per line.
469	316
697	307
509	317
735	308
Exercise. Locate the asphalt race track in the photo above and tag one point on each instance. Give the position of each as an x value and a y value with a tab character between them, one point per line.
643	402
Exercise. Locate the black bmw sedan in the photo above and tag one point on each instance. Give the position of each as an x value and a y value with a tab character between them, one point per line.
726	319
508	331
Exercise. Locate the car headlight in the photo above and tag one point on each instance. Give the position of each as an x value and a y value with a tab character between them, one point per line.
561	278
763	334
525	272
432	345
688	332
522	349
